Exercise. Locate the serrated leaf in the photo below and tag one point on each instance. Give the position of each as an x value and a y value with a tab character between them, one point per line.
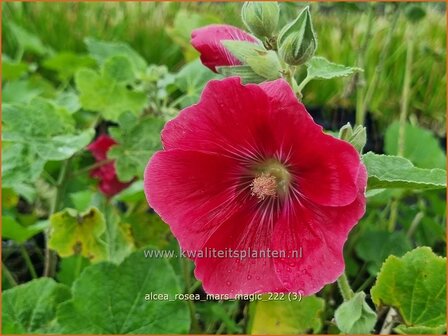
78	233
387	171
107	96
355	316
110	299
288	317
135	147
375	246
11	229
31	307
420	146
102	50
321	68
415	285
245	72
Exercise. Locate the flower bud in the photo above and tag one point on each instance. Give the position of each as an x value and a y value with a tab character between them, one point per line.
357	136
297	40
261	18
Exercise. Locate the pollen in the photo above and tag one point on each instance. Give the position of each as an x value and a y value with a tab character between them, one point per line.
264	185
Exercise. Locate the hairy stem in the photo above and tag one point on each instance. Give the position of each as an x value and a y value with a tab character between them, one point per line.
344	287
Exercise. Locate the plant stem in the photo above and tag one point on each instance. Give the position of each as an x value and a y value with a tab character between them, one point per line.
410	40
344	287
302	85
360	77
50	257
195	329
8	275
28	261
393	215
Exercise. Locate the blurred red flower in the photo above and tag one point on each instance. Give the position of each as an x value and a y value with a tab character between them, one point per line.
109	183
248	169
207	40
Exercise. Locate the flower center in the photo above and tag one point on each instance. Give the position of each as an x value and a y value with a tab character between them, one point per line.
271	179
264	185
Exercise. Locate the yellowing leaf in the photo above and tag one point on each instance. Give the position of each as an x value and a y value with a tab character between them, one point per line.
78	233
288	317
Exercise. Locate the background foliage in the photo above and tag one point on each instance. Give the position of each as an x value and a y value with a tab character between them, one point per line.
72	71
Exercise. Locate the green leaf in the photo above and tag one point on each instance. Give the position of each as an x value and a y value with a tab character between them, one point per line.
136	144
420	146
321	68
118	237
78	233
110	97
110	299
245	72
70	268
148	229
43	129
288	317
11	229
375	246
415	285
66	64
266	65
12	70
31	308
118	68
68	100
355	316
396	172
20	165
242	50
191	79
101	51
402	329
19	91
27	40
81	199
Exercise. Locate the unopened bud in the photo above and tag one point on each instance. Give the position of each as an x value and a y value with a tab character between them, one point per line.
297	40
261	18
357	137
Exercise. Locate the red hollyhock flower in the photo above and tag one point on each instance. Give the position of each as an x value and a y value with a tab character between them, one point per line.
109	183
207	40
247	169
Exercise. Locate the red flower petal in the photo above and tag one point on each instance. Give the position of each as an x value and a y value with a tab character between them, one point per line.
326	167
230	119
207	40
246	232
320	233
100	146
193	192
